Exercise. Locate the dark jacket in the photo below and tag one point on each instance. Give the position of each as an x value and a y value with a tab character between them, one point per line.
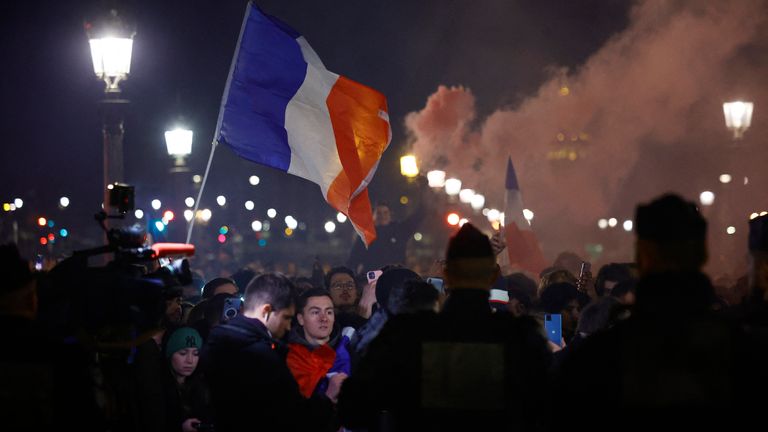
389	246
251	386
463	369
673	362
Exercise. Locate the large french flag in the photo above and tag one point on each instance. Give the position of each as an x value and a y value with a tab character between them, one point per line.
282	108
522	245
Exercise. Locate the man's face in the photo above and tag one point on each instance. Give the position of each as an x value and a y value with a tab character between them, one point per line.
173	310
343	290
279	322
382	216
317	318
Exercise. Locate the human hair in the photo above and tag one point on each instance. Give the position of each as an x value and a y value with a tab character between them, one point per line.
412	296
336	270
303	299
555	297
210	287
611	272
269	288
597	315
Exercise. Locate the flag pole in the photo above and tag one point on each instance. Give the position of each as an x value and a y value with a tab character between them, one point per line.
214	144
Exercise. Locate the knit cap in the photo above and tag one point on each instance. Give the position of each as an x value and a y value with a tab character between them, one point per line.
181	338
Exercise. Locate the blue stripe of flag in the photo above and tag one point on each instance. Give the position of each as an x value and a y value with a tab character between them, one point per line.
266	73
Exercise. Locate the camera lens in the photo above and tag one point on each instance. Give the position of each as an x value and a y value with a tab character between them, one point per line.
230	313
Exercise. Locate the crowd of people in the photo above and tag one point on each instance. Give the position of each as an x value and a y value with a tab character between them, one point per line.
640	345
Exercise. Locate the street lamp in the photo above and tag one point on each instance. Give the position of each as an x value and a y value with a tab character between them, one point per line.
738	117
111	41
178	142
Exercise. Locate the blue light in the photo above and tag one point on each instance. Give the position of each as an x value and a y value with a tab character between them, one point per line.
51	223
262	242
160	226
63	232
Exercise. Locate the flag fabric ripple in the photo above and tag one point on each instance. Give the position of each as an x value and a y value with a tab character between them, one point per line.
522	246
282	108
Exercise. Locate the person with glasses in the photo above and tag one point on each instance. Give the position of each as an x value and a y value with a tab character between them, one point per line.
341	284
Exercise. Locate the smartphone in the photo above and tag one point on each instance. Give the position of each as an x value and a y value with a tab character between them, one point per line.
231	308
373	275
39	261
437	283
553	324
585	267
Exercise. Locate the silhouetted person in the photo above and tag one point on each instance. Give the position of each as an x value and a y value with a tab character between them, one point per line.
673	362
465	368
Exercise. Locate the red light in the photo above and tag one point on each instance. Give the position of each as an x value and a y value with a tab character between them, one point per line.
222	238
51	237
168	215
42	221
453	219
43	241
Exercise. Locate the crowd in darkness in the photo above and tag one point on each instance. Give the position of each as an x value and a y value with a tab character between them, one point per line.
647	344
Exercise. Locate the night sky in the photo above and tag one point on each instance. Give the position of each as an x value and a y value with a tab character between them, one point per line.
501	50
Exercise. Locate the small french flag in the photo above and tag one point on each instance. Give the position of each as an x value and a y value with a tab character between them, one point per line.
282	108
522	245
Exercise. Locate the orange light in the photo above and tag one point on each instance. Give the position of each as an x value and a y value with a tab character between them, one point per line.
43	241
42	221
453	219
168	215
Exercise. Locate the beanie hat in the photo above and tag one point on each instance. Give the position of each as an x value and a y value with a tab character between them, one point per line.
469	242
181	338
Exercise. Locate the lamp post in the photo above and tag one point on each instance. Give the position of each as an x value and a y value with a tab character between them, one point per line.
111	42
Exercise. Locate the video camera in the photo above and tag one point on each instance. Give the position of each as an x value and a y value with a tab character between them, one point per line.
111	305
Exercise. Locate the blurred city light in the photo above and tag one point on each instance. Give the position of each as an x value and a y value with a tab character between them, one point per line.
221	200
466	195
64	202
341	217
417	236
453	186
18	202
197	178
628	224
160	226
168	215
602	223
189	201
612	222
272	213
291	222
156	204
63	232
462	221
408	166
478	201
493	215
330	227
188	214
725	178
528	215
249	205
139	213
222	238
707	198
42	221
256	226
436	178
206	215
730	230
453	219
254	180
